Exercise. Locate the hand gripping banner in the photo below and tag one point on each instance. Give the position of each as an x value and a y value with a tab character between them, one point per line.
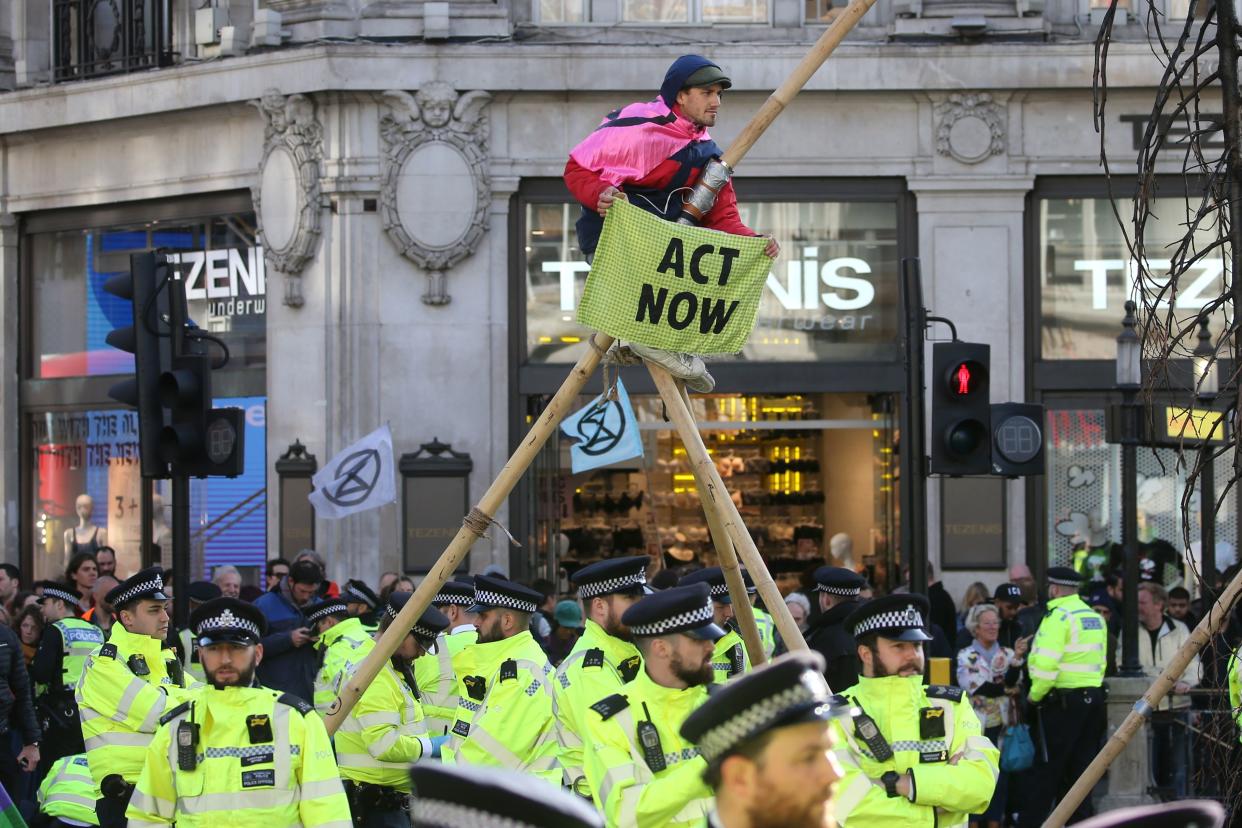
673	286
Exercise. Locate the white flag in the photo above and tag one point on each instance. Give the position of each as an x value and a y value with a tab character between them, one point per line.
360	477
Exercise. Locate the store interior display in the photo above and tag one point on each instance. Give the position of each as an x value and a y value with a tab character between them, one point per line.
86	536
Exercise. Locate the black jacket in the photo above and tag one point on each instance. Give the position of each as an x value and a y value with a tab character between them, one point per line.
16	702
829	637
943	611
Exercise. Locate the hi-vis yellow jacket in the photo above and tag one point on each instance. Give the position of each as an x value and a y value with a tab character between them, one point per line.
383	734
344	646
729	658
597	666
935	735
438	682
263	759
1070	648
124	690
1235	692
68	792
507	713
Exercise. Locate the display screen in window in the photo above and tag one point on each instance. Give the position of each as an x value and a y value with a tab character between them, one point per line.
831	295
1086	274
219	258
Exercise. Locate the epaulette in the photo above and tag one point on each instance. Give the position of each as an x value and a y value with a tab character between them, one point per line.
296	703
108	651
842	701
594	658
175	712
508	670
610	706
944	691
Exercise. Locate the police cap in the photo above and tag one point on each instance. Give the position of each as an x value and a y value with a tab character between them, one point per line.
59	591
469	796
625	576
790	690
227	620
1064	576
429	625
837	580
494	593
145	585
203	591
460	593
356	592
327	608
713	576
680	609
899	617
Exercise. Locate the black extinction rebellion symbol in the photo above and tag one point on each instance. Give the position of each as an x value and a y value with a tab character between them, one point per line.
601	428
355	478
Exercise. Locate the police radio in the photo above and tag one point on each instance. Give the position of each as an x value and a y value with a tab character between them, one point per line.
187	743
865	729
649	738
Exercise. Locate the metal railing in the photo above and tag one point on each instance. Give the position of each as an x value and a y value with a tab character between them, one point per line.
92	38
1192	751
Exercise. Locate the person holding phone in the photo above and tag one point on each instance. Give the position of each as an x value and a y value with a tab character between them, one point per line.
288	663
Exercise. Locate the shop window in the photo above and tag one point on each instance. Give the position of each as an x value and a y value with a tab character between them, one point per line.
1084	502
220	259
813	476
1086	273
830	296
561	11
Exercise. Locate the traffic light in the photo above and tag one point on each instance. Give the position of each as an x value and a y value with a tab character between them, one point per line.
1017	439
961	432
147	340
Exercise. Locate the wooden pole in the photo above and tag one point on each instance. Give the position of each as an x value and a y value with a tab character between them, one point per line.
1208	627
742	610
716	496
473	527
810	63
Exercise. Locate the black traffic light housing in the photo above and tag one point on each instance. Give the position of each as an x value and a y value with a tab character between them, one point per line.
961	412
147	339
1017	439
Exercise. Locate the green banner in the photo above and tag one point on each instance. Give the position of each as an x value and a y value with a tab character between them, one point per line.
673	286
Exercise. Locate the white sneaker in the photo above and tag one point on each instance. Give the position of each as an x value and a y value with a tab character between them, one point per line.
686	367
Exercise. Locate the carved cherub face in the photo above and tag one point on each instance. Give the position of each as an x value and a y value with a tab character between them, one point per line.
435	102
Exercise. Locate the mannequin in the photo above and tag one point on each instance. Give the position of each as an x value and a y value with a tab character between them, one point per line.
842	549
86	536
161	534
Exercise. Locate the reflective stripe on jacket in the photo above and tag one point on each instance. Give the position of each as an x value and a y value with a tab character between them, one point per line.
1069	648
437	680
624	786
1235	692
344	647
68	792
933	733
120	709
767	631
79	640
380	738
260	762
729	658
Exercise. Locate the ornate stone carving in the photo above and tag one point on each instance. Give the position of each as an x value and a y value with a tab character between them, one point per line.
970	127
435	188
287	200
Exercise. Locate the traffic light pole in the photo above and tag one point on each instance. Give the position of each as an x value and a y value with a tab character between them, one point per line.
913	448
181	551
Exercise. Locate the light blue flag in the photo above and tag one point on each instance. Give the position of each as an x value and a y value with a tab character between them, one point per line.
606	431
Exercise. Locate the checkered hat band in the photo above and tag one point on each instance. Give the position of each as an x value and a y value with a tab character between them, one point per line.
590	590
682	621
498	599
836	590
357	598
326	610
906	619
462	599
755	719
227	621
1059	582
62	594
156	584
433	812
422	632
719	589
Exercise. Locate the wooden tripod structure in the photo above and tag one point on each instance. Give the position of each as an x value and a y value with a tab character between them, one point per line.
728	532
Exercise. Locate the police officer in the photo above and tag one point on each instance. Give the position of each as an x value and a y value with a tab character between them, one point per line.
1234	679
126	686
602	660
343	642
434	672
234	753
66	644
763	619
1067	673
768	746
183	643
506	713
66	796
362	603
640	768
913	755
730	657
385	731
471	797
838	589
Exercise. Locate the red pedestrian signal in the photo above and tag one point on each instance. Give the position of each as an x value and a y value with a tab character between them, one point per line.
960	410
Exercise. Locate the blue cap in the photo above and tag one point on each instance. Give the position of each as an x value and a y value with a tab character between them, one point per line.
681	609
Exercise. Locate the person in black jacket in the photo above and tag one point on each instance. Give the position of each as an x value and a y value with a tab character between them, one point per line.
1008	602
838	590
16	713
